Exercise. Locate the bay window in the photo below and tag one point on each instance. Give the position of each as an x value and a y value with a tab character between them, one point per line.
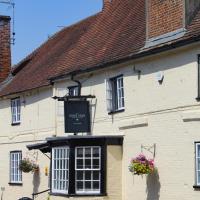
78	168
78	163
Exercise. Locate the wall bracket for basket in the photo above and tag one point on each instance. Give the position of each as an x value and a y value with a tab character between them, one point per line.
151	149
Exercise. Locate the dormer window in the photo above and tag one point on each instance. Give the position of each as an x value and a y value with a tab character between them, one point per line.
16	111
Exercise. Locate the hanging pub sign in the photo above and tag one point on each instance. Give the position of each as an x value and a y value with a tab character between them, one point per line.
77	116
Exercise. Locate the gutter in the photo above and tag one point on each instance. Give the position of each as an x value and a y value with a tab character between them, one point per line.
141	54
103	65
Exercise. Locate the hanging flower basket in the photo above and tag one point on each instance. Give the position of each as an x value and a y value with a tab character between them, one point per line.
27	166
141	165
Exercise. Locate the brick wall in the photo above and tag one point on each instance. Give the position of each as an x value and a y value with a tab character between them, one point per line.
5	52
164	16
192	7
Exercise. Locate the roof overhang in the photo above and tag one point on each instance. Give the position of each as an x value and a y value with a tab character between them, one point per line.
43	147
46	147
144	52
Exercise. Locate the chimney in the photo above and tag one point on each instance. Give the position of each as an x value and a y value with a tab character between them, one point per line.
106	4
5	50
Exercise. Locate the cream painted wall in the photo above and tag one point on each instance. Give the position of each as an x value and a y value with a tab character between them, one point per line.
143	95
165	114
32	182
37	117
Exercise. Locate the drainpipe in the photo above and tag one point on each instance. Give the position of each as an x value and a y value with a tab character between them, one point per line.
78	82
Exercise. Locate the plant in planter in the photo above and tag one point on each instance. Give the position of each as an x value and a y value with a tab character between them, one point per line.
26	165
141	165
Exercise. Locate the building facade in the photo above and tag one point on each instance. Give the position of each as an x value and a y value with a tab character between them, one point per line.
138	68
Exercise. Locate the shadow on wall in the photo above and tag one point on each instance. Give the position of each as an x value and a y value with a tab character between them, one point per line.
153	186
36	182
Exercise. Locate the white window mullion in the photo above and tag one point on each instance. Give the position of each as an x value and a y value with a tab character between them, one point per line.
16	110
60	169
109	95
15	172
120	93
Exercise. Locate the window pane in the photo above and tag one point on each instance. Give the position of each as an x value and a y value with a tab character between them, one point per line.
96	152
79	175
88	185
198	164
88	175
79	152
198	177
96	163
88	152
88	164
79	163
96	185
79	185
96	175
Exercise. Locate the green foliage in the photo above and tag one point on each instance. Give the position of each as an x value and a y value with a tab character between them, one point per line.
27	166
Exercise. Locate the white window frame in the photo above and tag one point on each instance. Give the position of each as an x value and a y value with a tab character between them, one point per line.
84	191
16	110
120	93
197	158
63	160
15	172
115	94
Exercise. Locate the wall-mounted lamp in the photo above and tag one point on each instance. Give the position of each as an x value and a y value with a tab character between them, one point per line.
137	71
160	77
46	171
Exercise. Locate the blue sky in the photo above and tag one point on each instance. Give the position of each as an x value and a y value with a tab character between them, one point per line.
35	20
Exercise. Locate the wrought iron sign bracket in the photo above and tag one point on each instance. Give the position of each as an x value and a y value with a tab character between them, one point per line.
68	98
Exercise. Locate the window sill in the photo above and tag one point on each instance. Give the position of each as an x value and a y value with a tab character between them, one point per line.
116	111
198	99
15	184
77	195
16	124
196	187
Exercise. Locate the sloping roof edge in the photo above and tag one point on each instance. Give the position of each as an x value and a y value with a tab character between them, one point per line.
20	65
143	53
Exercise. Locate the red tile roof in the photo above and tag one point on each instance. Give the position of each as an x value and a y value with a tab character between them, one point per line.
114	34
